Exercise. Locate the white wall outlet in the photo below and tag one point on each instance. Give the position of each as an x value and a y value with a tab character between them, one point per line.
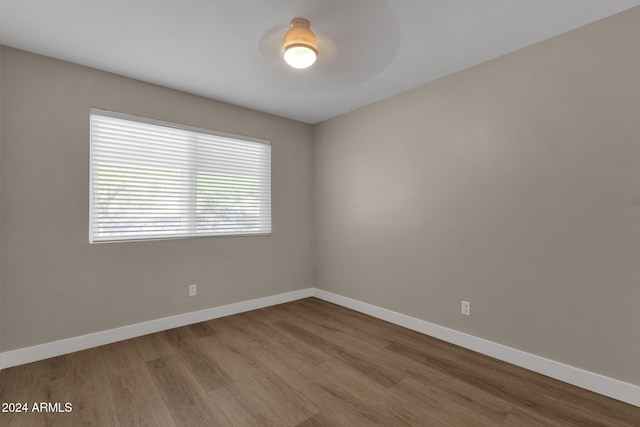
466	308
193	290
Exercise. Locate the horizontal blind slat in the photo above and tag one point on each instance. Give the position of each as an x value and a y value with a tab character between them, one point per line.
150	181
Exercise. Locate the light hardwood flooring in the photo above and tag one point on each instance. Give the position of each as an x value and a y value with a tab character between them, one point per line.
306	363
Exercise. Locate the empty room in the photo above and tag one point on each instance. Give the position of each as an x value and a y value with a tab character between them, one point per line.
319	213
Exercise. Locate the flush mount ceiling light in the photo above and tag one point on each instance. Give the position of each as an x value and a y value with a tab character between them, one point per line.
299	44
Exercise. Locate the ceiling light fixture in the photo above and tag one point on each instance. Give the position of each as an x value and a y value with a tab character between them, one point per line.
299	44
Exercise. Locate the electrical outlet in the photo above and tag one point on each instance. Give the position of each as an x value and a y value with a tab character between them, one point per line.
466	308
193	290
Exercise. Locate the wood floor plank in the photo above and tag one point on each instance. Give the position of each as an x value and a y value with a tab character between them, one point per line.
122	356
131	383
439	403
267	315
89	389
201	329
547	391
229	360
291	350
133	387
154	346
294	313
243	407
179	337
153	413
352	320
198	359
386	403
21	382
306	363
383	376
322	420
53	392
457	391
362	329
285	364
521	418
509	389
266	385
42	381
236	332
187	401
337	405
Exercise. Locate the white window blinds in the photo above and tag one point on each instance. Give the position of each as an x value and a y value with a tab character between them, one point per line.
158	180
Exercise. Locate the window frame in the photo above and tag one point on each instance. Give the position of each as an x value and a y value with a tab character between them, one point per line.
193	196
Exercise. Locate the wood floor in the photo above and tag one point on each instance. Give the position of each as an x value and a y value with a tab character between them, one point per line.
305	363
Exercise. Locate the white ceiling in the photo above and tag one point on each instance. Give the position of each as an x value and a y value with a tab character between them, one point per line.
230	50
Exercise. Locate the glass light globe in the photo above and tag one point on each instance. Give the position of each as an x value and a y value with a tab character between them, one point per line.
299	57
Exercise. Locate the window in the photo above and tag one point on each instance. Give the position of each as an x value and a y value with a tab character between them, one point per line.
158	180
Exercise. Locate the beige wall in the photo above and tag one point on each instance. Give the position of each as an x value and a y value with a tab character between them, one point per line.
56	285
514	185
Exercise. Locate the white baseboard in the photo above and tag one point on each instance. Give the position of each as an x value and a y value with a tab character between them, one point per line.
606	386
600	384
83	342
